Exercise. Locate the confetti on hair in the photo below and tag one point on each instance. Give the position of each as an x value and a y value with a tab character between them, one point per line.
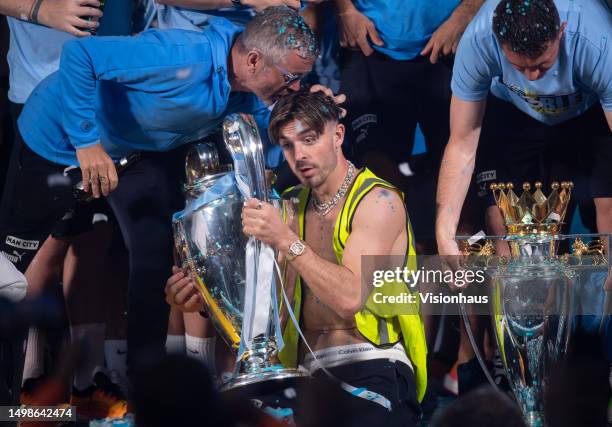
525	26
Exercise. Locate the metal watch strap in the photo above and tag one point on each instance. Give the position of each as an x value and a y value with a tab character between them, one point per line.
237	4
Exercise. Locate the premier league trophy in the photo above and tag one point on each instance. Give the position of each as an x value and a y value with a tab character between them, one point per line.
235	273
535	294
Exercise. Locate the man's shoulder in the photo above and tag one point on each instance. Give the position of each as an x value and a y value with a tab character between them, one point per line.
367	181
590	21
221	30
380	203
176	36
379	213
381	193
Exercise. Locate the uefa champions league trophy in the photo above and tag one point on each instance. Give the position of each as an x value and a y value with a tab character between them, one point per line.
534	293
234	272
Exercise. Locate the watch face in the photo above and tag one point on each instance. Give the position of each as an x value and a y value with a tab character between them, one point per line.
297	248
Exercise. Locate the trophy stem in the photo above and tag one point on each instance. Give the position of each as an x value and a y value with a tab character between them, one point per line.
261	356
261	364
531	312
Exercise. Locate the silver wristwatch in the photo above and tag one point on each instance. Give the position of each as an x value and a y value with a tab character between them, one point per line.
296	249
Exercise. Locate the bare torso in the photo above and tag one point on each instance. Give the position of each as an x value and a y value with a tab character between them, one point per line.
322	327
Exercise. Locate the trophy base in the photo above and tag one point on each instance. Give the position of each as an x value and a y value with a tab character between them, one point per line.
270	380
260	364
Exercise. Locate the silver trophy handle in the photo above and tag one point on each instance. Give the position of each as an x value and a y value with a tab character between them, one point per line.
201	160
244	144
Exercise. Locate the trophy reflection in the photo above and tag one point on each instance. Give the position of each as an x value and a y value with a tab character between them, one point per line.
234	272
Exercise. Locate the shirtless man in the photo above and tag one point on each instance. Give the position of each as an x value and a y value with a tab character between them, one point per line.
343	213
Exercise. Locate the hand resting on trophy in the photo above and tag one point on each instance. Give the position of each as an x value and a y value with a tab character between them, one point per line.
182	292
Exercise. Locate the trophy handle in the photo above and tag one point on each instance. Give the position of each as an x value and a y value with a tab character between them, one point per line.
217	314
242	139
184	254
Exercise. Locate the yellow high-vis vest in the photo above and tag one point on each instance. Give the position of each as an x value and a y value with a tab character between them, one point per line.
384	327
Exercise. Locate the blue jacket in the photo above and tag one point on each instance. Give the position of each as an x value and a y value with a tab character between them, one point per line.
152	92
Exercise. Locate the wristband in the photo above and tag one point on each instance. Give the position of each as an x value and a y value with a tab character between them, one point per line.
34	12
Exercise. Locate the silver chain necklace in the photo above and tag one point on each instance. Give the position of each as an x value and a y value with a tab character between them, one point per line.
325	208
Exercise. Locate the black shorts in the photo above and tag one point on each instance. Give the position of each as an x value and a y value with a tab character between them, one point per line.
393	380
81	218
514	147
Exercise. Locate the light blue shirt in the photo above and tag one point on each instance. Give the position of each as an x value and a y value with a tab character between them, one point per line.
34	50
405	25
34	53
581	75
192	19
151	92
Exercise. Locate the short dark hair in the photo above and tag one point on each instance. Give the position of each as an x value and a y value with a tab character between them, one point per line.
313	109
525	26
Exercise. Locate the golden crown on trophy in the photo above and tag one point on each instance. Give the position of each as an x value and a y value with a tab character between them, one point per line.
532	212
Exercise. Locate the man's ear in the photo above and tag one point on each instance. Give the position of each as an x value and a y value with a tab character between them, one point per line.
562	29
339	135
254	61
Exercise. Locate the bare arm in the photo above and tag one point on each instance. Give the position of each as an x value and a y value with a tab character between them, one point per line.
19	9
337	286
456	170
468	8
64	15
355	29
258	5
609	118
445	39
